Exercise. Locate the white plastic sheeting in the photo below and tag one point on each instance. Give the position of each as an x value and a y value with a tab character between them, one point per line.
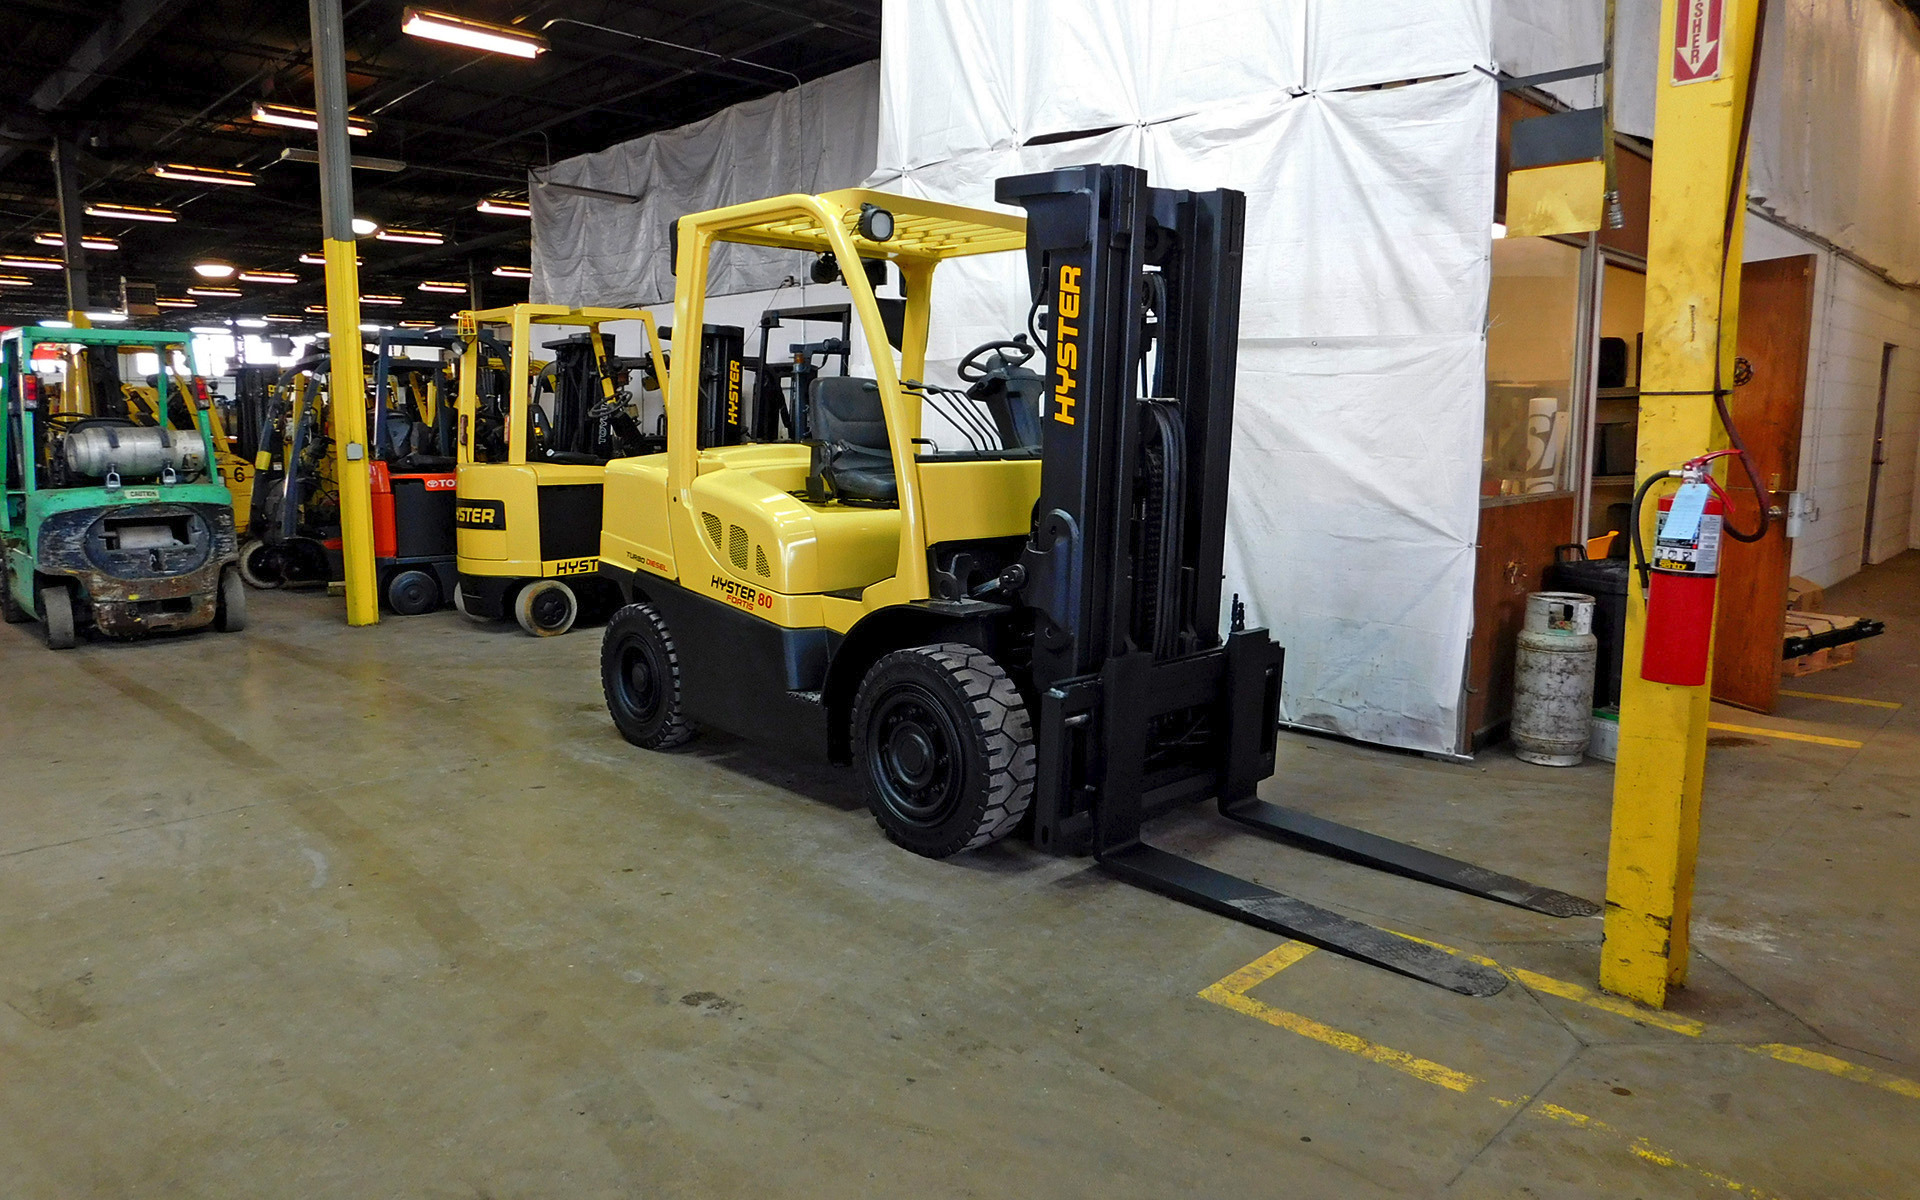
813	138
1354	499
1534	36
1836	141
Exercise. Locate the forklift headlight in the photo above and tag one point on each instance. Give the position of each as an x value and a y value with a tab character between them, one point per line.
876	223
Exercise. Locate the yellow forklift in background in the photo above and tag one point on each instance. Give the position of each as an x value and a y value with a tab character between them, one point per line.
534	438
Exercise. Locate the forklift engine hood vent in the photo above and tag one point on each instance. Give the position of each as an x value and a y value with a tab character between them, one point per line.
149	542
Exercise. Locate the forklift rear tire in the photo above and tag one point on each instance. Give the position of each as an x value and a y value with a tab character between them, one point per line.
411	593
56	609
460	606
546	608
230	610
945	747
262	566
640	676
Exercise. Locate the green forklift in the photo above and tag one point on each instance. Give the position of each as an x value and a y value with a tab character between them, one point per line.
113	518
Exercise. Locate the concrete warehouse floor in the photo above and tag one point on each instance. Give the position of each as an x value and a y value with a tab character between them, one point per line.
311	912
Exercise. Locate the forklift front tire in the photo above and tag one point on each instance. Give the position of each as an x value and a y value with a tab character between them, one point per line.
945	748
14	612
640	675
546	608
230	610
56	609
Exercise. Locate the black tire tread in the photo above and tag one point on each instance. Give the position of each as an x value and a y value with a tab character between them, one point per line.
1005	729
677	729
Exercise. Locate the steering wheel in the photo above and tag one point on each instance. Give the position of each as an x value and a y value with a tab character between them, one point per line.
1012	354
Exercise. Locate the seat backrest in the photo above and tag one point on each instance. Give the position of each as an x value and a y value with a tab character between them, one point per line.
847	409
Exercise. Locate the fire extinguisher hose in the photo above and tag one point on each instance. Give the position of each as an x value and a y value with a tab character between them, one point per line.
1640	565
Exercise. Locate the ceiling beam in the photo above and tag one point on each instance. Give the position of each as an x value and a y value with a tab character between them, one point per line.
115	40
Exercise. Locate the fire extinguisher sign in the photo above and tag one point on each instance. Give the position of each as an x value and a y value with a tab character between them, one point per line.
1689	538
1698	26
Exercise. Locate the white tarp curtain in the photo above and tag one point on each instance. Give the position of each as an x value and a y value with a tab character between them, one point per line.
1534	36
813	138
1836	138
1361	389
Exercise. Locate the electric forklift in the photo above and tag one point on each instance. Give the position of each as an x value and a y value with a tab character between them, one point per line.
527	507
112	517
292	533
412	475
1014	621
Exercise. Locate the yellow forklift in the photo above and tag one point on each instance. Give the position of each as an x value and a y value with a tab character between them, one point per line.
534	438
1009	617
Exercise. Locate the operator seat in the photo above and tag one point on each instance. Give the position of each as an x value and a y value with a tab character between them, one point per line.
856	458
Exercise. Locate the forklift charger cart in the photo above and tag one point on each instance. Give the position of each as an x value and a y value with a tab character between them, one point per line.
110	521
527	506
1006	630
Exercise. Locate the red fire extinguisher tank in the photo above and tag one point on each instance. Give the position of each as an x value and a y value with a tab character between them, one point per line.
1685	570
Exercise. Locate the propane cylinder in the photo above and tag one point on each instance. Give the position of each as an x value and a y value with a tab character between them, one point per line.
136	452
1553	680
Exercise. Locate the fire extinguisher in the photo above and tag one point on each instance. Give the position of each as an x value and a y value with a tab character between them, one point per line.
1683	574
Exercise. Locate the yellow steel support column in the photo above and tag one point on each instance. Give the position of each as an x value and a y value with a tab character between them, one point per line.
1693	285
346	374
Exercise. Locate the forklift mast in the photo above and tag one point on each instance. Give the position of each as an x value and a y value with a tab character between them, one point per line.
1142	705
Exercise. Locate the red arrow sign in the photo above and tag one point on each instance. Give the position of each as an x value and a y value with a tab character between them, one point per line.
1697	27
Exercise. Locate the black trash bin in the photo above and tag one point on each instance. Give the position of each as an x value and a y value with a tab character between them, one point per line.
1605	579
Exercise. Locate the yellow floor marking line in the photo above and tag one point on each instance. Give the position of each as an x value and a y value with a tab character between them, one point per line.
1843	699
1799	1056
1572	991
1643	1149
1231	993
1787	734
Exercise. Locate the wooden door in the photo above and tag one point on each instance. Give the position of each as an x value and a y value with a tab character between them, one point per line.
1776	323
1516	547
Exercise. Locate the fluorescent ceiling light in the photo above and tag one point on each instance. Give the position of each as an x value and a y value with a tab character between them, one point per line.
314	259
198	290
131	212
505	206
31	262
15	281
416	237
88	241
369	329
416	325
513	272
362	227
176	302
441	285
268	277
382	300
294	117
187	174
284	318
109	318
360	162
213	270
56	324
317	309
475	35
250	322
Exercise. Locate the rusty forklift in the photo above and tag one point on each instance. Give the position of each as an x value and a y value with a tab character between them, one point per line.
1013	627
